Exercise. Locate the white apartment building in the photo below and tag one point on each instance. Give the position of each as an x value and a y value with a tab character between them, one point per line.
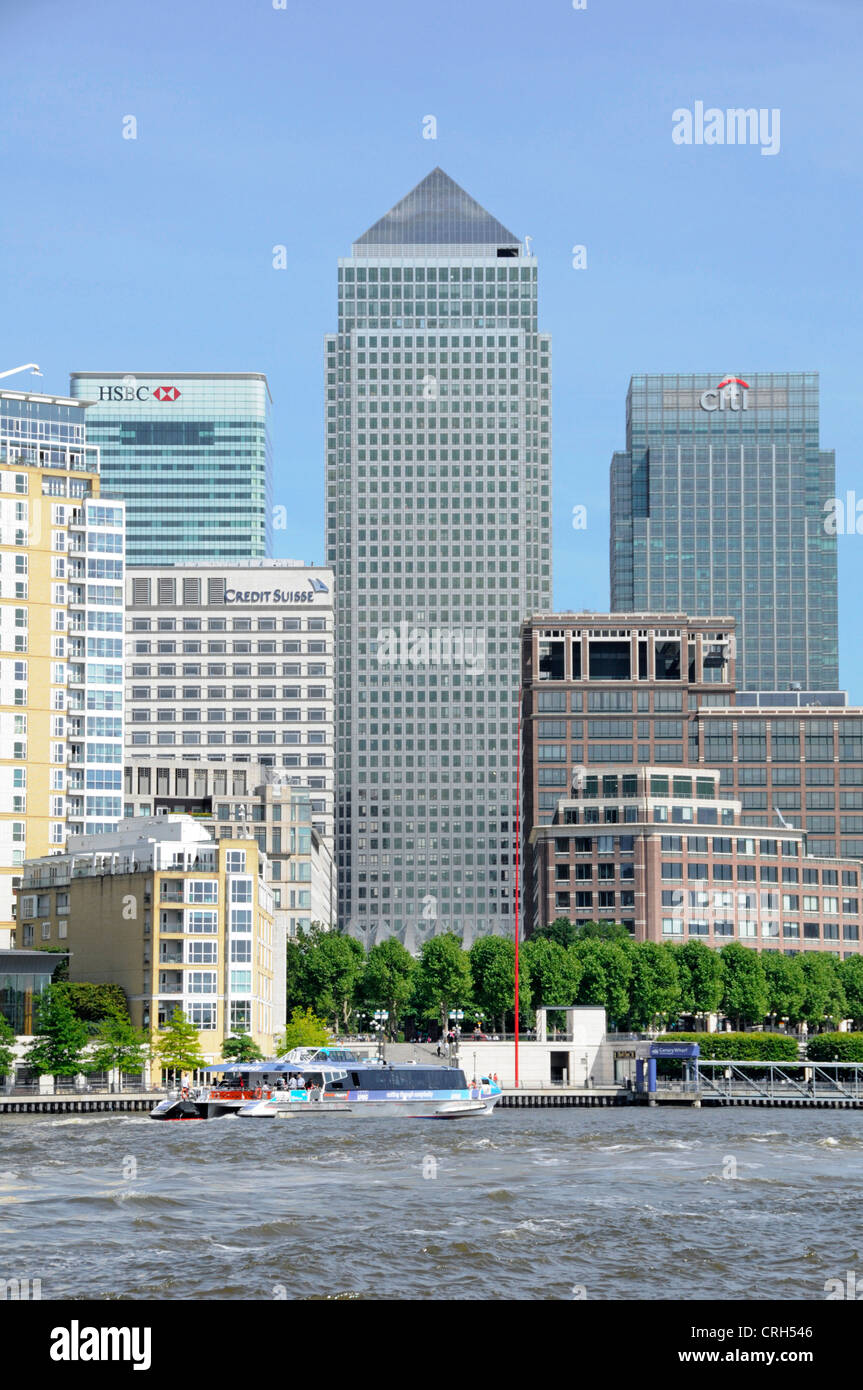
233	662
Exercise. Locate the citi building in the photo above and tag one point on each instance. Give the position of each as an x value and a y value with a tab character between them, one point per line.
718	506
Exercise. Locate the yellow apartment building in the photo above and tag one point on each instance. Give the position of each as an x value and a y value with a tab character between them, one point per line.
61	638
175	918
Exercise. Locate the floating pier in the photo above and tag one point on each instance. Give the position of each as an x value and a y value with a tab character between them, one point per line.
79	1105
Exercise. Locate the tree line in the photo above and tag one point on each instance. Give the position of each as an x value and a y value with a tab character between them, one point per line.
641	985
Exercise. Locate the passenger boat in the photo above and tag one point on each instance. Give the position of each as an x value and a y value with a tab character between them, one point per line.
309	1090
314	1082
234	1084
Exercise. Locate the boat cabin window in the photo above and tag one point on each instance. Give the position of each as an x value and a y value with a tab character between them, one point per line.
408	1079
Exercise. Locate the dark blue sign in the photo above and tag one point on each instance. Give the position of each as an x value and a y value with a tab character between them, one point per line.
673	1049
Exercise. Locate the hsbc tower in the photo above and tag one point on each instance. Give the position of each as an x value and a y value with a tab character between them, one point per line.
718	508
190	454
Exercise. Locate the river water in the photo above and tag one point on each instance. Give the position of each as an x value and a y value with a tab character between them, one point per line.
526	1204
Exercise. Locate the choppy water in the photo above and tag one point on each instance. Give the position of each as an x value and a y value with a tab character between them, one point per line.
521	1204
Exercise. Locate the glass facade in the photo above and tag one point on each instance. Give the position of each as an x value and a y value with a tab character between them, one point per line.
23	978
191	457
95	706
438	529
718	506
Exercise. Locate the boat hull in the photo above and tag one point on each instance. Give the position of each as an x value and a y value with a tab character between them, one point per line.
175	1109
369	1107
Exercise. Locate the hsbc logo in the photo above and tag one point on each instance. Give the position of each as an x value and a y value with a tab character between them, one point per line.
732	393
138	393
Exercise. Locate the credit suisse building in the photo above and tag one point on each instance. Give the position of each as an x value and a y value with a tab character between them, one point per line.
234	663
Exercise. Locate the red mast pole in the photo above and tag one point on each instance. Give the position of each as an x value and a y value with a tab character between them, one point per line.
517	838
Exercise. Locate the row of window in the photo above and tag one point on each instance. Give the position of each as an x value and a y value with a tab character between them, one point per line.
749	930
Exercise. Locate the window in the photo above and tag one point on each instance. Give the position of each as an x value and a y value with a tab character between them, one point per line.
202	952
201	981
203	1016
202	890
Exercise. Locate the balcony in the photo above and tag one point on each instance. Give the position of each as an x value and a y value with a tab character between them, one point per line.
168	956
171	921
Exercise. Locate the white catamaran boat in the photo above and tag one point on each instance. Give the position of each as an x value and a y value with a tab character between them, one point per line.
312	1088
313	1082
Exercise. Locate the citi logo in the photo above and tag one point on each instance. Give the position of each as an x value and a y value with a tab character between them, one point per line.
77	1343
732	393
166	393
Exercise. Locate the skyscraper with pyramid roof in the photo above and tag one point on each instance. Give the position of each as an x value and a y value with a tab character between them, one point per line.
438	454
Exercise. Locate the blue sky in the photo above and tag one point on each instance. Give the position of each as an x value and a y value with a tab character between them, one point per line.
260	126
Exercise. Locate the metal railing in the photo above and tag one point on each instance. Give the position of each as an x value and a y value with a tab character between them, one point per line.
782	1080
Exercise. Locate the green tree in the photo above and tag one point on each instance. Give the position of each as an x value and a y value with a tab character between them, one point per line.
655	987
560	930
835	1047
7	1042
442	980
492	968
241	1048
606	975
387	981
330	974
60	1037
91	1003
786	986
824	998
744	993
178	1046
304	1029
602	931
851	976
554	972
119	1044
700	973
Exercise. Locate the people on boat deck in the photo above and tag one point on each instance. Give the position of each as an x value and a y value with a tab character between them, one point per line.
299	1082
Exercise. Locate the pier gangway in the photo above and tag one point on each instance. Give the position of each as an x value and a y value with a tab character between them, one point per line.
781	1083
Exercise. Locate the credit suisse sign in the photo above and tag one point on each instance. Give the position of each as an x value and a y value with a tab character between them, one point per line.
139	393
271	596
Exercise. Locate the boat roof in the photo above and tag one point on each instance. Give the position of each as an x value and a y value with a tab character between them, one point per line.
271	1068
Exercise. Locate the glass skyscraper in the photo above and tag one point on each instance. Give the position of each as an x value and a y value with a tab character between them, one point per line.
718	507
189	453
438	401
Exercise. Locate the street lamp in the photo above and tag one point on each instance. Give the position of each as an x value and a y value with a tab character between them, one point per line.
30	367
380	1017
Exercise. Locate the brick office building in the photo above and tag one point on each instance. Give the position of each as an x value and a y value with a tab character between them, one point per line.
658	690
663	852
